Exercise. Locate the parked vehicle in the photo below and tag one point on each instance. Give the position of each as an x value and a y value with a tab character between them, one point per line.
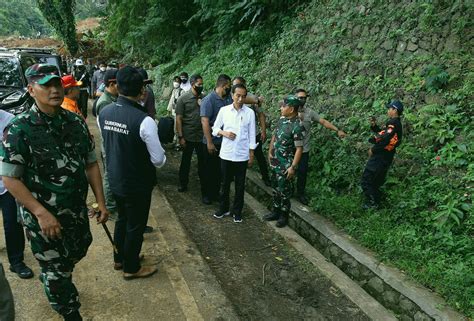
14	96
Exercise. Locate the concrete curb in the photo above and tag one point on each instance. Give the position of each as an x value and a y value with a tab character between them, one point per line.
387	285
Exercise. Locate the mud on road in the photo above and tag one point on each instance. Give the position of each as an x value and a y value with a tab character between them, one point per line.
263	277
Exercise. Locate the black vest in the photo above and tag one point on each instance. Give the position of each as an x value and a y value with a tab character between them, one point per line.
129	168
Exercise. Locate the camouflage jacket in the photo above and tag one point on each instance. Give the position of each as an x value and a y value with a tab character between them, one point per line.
49	154
288	134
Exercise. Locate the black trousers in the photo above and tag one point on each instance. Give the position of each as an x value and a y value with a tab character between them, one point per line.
185	165
128	234
7	306
261	159
302	174
14	234
212	173
82	101
374	176
235	171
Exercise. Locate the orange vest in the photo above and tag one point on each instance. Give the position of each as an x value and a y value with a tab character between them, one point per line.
71	105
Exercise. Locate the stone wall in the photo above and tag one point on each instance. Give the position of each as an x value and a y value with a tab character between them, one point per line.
386	284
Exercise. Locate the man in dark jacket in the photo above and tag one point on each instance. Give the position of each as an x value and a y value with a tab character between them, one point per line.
381	154
133	151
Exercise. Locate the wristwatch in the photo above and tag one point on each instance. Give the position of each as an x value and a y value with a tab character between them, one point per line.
294	167
179	137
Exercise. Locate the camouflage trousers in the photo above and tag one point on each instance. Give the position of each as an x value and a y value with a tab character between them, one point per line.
58	257
282	190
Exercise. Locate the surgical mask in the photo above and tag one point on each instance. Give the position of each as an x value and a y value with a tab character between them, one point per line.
175	84
102	68
198	89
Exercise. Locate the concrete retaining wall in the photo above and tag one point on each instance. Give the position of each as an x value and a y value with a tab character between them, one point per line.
387	285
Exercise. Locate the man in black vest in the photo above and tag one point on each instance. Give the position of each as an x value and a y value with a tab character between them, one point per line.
133	151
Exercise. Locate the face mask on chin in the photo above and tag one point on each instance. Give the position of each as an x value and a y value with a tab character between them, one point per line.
176	84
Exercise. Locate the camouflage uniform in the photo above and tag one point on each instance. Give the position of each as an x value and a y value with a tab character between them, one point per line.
50	154
288	135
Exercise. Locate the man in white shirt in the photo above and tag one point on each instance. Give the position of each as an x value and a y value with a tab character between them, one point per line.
236	124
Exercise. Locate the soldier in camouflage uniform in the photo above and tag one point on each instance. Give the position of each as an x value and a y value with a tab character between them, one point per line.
47	160
285	150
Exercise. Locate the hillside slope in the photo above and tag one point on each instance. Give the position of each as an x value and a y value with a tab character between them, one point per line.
353	59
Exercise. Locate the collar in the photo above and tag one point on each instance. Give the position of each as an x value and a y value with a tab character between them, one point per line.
40	118
124	101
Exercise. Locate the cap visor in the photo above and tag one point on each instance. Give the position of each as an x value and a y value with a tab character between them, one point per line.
47	78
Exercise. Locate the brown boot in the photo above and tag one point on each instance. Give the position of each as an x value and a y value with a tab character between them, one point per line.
144	272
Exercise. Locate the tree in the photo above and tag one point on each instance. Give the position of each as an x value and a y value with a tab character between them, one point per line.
60	14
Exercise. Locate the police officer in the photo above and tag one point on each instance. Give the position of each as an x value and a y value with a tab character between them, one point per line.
47	160
284	153
381	155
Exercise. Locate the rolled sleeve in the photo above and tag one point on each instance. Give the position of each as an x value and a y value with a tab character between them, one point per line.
218	123
11	170
91	157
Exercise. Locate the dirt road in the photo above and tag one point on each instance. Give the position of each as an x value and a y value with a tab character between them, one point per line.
209	269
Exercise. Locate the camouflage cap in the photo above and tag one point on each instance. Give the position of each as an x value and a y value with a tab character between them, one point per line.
292	100
41	73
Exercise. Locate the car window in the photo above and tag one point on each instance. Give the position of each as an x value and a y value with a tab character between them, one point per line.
48	60
10	75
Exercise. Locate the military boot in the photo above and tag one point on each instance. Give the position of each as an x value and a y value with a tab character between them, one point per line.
283	220
273	215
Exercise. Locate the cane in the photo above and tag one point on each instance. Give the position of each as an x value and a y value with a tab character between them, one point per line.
95	208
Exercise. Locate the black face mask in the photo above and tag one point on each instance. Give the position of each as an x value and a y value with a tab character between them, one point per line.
184	80
198	89
302	100
227	91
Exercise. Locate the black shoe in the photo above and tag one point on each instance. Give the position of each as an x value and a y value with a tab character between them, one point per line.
206	200
237	218
267	182
182	189
22	270
220	214
283	220
148	229
73	316
273	216
303	199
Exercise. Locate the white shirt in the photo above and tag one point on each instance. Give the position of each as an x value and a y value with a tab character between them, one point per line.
186	86
149	135
5	118
242	123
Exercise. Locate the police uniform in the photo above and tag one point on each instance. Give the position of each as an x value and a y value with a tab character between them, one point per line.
288	135
50	154
385	142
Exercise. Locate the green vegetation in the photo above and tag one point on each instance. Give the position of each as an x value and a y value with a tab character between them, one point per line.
60	14
353	59
21	18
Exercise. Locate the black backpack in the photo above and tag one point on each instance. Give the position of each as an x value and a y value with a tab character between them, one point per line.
166	129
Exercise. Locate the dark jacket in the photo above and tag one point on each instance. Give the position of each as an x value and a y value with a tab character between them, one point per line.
129	168
388	139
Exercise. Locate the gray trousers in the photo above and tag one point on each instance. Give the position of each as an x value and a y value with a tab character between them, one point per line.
7	307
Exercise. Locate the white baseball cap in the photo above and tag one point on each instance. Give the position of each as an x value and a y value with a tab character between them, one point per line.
79	62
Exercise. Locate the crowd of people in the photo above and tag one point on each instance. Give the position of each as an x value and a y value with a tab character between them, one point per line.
48	158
